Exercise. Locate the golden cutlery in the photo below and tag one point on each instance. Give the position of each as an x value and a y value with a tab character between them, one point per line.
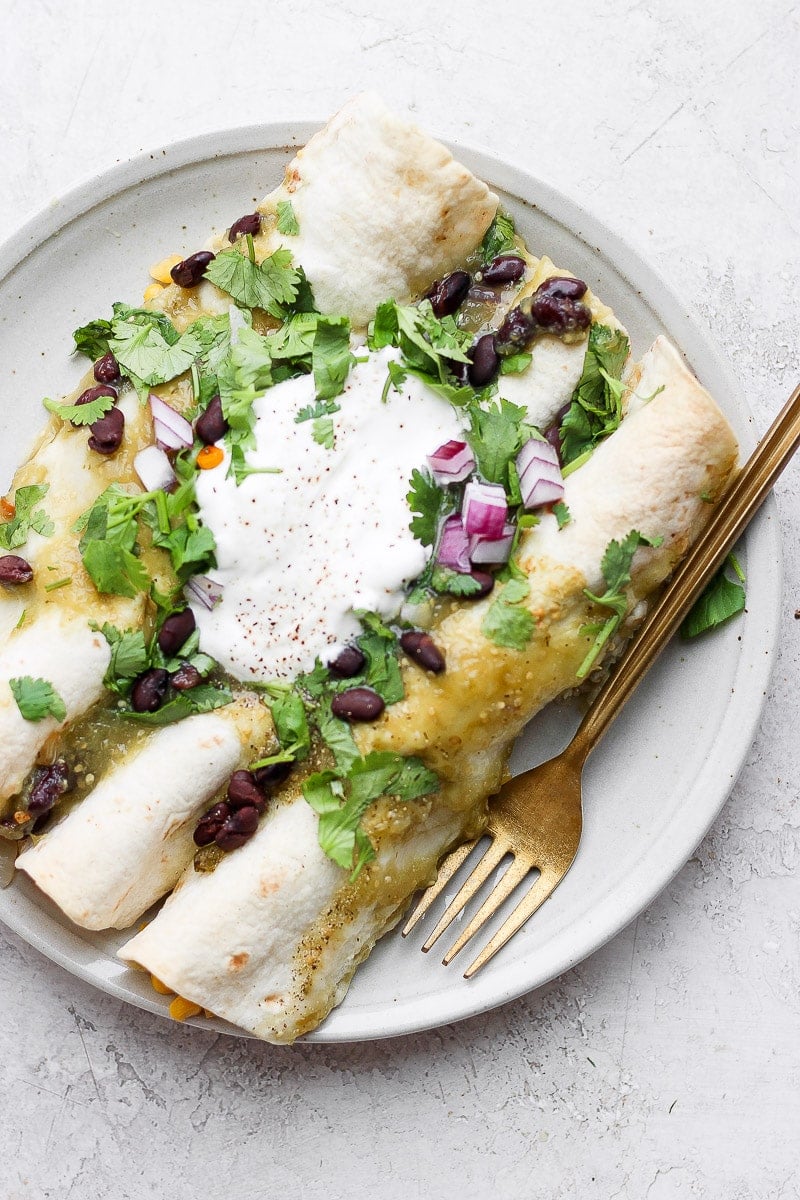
536	818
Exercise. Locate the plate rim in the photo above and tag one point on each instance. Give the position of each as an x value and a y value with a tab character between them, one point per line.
489	991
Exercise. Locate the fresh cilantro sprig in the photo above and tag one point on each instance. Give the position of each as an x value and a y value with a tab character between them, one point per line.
80	414
596	407
429	346
498	431
271	285
508	621
722	599
499	237
287	220
27	517
429	504
201	699
342	799
616	569
37	698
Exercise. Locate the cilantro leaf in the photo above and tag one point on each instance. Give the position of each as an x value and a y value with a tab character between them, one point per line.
499	237
27	517
323	432
291	724
497	432
129	657
338	737
429	503
201	699
515	364
92	339
720	600
108	545
379	645
287	221
596	407
37	698
446	582
271	284
145	355
341	802
616	569
80	414
561	514
429	346
320	408
330	355
508	622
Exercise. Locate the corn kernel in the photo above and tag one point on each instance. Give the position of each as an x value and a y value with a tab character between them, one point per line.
181	1010
153	290
160	271
160	987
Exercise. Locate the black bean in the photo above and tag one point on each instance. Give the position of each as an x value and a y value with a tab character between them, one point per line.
185	678
560	316
210	824
516	330
357	704
250	224
107	432
239	827
348	662
175	630
562	287
49	784
14	569
243	792
506	268
106	369
556	305
149	690
189	272
211	424
424	651
486	581
272	774
448	294
482	295
485	361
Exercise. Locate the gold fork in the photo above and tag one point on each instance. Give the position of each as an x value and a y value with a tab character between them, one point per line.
536	818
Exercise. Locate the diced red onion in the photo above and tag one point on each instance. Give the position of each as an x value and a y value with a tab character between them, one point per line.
452	462
204	590
453	549
540	479
492	550
484	509
154	469
173	432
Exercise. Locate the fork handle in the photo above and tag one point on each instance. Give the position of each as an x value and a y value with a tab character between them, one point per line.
736	509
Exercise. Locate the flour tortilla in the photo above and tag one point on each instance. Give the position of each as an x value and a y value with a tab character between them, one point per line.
383	209
127	843
271	938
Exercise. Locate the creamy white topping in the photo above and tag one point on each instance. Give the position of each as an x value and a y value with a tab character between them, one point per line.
299	550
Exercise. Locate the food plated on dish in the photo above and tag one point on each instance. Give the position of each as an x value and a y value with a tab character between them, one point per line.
362	489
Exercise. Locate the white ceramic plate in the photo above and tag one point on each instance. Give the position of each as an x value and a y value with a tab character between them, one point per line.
664	770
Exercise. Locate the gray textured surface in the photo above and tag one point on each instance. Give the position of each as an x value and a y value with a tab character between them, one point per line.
667	1064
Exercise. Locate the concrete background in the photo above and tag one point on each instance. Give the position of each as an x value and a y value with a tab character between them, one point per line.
667	1064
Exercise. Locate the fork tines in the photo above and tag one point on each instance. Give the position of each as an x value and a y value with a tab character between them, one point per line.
519	867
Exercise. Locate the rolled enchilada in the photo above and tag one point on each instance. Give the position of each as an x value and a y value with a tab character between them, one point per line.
314	556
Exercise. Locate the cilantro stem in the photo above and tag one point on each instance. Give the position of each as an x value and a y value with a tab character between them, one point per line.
59	583
251	250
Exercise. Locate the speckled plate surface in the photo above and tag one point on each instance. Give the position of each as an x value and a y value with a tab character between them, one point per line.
666	767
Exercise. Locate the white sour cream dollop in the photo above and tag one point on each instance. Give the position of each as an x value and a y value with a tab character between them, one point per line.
299	550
